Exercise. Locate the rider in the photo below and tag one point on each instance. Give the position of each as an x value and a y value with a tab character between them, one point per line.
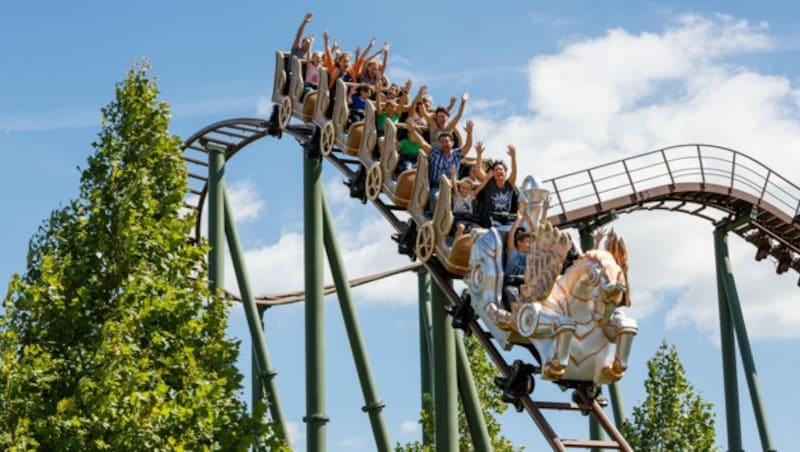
497	195
301	47
442	158
518	246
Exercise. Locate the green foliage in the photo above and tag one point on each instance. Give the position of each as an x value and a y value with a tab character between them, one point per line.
107	341
673	416
483	374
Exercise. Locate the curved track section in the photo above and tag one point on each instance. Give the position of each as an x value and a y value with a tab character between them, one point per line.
706	181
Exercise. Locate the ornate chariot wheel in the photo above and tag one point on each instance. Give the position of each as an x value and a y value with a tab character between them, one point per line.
525	319
284	112
374	181
425	241
327	138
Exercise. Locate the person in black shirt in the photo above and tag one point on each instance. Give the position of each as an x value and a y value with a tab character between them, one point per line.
497	195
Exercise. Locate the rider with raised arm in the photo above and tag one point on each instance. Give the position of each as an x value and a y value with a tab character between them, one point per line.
442	158
438	123
339	66
301	47
406	147
372	72
497	196
385	110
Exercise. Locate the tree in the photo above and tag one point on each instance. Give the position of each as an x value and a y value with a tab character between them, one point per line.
109	340
483	373
672	416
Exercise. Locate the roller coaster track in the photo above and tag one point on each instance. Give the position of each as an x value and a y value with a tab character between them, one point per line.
706	181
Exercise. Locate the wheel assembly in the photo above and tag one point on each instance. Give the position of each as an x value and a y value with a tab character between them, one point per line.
284	112
425	242
374	181
327	138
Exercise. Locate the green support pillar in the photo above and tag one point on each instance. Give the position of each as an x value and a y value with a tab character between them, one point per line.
728	353
595	432
315	418
469	398
257	389
216	215
734	305
425	346
265	372
617	404
445	385
372	404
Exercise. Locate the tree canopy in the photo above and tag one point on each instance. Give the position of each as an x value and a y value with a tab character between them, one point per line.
111	340
672	416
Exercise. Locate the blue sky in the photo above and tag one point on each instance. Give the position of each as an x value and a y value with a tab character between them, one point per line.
571	85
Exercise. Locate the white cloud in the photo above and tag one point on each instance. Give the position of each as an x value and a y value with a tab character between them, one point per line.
409	427
366	248
247	203
336	192
622	94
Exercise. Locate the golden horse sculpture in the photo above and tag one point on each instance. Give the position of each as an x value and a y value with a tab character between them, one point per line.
572	319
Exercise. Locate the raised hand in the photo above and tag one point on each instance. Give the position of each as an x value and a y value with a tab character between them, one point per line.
512	151
308	17
468	127
479	147
372	41
385	47
452	99
326	36
464	96
407	86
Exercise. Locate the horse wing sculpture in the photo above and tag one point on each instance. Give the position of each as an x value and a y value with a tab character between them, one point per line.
548	251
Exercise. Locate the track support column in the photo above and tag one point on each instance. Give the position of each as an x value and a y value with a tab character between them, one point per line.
216	215
257	389
445	384
728	294
372	404
425	345
266	375
469	398
315	417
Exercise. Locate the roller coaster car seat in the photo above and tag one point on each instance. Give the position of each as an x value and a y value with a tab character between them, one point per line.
405	184
459	254
354	134
309	104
